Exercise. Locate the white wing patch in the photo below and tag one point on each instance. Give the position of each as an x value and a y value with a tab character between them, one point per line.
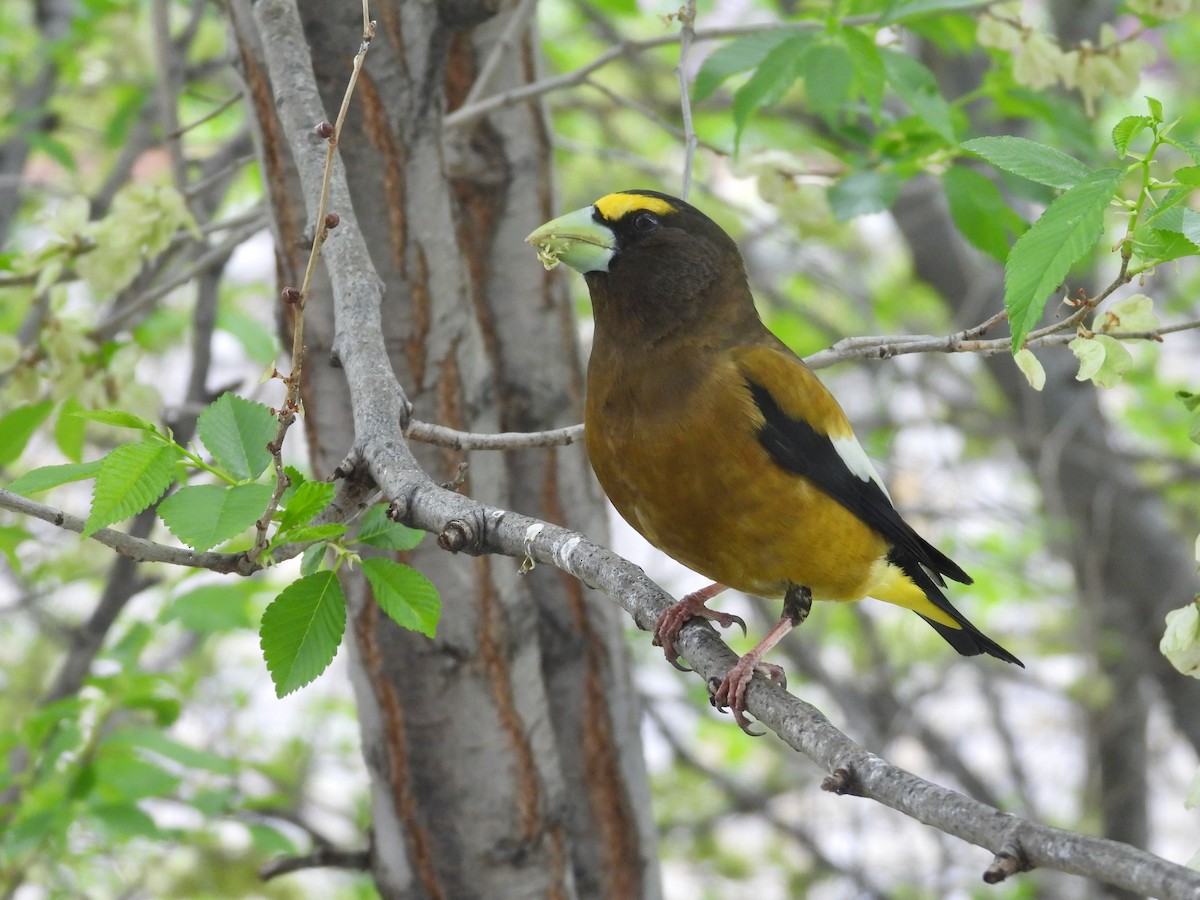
855	458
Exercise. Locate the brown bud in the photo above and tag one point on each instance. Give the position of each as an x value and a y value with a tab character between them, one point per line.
332	220
324	130
291	295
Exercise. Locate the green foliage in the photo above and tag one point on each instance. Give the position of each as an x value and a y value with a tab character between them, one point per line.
1042	256
301	630
236	432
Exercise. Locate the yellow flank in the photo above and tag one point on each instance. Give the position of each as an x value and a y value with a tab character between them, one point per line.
795	388
614	206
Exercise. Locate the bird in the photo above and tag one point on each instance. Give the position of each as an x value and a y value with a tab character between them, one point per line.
721	447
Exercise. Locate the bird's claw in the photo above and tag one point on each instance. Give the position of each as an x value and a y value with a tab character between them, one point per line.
729	693
673	618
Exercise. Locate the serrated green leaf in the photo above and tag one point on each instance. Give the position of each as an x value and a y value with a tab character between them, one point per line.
236	432
979	211
900	10
378	530
1029	159
828	73
301	630
1102	359
69	429
52	476
308	500
205	515
119	419
864	192
1043	255
1126	130
131	477
1030	368
772	79
739	55
1155	107
210	609
17	427
408	597
917	87
1191	226
1191	148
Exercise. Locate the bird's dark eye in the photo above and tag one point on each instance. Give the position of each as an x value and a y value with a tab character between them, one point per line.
645	222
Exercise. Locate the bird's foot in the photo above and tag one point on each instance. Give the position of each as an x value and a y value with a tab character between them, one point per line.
674	617
730	692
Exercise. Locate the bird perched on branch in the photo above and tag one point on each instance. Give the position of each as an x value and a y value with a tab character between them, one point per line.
717	444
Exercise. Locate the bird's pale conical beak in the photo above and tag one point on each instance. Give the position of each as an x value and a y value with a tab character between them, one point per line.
578	239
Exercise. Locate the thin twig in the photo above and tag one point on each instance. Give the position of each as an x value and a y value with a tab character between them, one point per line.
687	33
324	221
321	858
440	436
207	117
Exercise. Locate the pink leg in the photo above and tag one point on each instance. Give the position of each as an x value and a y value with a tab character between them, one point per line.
730	692
669	623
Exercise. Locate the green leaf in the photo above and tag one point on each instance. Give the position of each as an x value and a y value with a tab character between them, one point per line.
1189	175
771	80
869	75
311	559
52	476
131	477
917	87
899	10
1191	226
123	821
118	418
259	342
267	840
301	630
1155	107
979	211
305	533
1042	256
739	55
1188	399
11	537
378	530
69	429
236	432
861	193
828	73
204	515
154	741
17	427
1029	159
1102	359
408	597
210	609
309	499
1126	130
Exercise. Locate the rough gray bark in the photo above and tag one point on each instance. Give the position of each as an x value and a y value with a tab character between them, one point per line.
504	755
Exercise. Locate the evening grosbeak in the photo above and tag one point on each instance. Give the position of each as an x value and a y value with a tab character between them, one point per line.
720	446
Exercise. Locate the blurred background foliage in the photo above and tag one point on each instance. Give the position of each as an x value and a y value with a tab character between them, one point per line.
146	755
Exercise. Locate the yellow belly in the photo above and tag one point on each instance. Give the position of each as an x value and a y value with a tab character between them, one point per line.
713	499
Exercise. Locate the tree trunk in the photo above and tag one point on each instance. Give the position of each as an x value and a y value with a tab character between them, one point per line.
504	755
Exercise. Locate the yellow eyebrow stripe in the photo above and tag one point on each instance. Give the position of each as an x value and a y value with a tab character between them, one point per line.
614	206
